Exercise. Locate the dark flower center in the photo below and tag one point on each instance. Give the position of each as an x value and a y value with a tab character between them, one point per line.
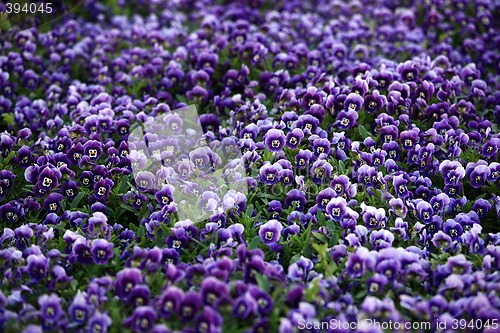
47	182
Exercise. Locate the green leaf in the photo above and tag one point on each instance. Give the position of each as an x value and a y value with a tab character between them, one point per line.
74	284
360	294
321	217
9	118
330	225
133	227
334	239
9	157
320	248
341	167
127	207
141	232
124	185
262	282
321	237
363	132
249	211
311	293
254	243
165	228
77	200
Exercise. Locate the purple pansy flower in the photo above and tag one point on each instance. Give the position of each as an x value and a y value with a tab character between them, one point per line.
50	311
142	319
270	232
102	251
274	140
298	270
293	138
336	208
270	173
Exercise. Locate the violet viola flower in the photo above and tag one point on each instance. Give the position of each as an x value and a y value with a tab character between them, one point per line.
209	201
53	202
289	117
381	239
490	148
374	218
290	231
274	140
479	175
170	301
79	309
50	311
336	208
70	189
213	290
324	196
293	138
346	119
353	102
48	178
374	102
425	211
93	149
359	262
376	283
270	173
400	229
321	171
308	123
296	199
145	180
409	139
165	195
37	267
81	249
209	122
270	232
102	251
287	177
125	280
298	270
190	305
275	208
452	171
439	201
209	320
200	157
453	229
481	207
441	240
6	178
70	137
321	146
142	320
244	307
399	183
99	322
408	71
302	158
98	226
495	172
177	239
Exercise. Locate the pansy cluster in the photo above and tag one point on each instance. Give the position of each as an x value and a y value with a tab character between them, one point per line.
368	140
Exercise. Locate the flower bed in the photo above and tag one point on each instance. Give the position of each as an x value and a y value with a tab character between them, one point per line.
369	135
